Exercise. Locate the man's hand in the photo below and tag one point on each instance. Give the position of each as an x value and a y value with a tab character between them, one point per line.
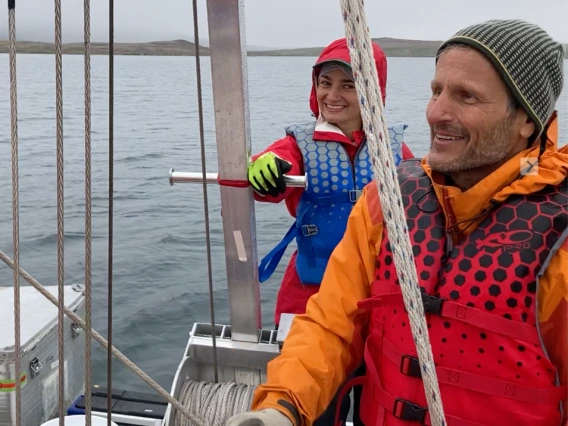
268	417
266	174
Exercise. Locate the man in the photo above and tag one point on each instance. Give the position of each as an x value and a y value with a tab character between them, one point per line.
487	213
332	151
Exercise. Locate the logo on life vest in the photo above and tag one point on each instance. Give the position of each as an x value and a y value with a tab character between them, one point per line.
506	241
510	390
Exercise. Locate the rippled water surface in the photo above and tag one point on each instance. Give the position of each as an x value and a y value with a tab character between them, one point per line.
160	275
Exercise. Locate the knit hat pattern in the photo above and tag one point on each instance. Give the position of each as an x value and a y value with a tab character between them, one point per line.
527	58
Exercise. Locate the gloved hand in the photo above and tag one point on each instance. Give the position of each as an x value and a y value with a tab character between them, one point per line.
266	174
268	417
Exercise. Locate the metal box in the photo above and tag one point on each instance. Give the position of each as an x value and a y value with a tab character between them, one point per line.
39	356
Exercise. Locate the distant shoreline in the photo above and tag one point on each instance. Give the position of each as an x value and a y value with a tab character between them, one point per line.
391	46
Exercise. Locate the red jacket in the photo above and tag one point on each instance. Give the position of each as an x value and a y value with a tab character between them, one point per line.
293	296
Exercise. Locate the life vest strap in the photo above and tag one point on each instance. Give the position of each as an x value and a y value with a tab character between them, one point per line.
409	365
327	199
452	310
346	387
401	408
269	262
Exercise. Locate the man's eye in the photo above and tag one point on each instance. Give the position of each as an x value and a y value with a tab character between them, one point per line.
466	96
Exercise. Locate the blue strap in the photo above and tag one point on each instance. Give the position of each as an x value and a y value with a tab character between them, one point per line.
329	199
271	260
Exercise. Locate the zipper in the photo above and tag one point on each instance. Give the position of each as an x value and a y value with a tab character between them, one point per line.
448	210
352	162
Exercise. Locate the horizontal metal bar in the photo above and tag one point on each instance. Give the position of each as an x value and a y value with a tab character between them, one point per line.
191	177
197	177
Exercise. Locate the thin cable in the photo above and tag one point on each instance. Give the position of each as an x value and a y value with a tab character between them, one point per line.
110	200
78	320
60	207
15	204
88	208
205	197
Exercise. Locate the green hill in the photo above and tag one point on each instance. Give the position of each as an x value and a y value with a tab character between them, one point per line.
392	47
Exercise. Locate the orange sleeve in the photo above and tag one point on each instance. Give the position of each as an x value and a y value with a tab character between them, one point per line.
553	313
326	344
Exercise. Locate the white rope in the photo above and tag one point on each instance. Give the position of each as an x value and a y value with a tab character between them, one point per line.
384	169
15	205
214	403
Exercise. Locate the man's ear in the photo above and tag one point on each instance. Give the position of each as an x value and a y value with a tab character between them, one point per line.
527	128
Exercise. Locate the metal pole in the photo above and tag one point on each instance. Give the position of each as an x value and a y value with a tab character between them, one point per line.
230	97
212	178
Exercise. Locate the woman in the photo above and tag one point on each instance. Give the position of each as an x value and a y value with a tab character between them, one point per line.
333	152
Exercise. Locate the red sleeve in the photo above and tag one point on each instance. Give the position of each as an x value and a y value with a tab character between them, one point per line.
406	152
287	149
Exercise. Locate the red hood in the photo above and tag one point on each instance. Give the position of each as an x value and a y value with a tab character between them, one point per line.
338	50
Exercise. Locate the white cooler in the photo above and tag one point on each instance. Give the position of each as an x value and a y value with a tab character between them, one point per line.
39	357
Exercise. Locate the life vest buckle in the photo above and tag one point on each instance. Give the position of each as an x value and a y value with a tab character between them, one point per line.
406	410
354	195
432	304
309	230
410	366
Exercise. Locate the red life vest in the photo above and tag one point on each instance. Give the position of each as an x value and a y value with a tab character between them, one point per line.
480	301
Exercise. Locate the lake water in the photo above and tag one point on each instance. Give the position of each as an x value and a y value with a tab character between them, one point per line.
160	275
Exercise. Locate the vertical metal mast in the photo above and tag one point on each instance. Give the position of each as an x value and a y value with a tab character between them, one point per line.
230	96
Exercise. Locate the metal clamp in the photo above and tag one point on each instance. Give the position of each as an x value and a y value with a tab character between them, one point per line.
35	367
75	331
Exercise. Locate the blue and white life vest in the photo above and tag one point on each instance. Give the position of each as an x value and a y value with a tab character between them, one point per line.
334	185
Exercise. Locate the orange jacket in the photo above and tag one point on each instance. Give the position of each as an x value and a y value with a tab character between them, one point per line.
325	345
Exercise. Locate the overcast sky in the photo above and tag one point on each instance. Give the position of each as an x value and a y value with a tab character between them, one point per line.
281	23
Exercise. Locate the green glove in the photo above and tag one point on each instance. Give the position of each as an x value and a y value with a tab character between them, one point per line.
266	174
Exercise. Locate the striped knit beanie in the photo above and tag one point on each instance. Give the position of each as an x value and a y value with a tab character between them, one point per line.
528	59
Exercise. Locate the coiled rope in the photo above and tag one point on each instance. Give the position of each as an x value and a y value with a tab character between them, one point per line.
384	169
215	403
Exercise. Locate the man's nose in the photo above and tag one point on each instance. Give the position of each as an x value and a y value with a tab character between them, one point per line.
440	109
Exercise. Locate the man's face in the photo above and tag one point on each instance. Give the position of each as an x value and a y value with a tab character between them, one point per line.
471	125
